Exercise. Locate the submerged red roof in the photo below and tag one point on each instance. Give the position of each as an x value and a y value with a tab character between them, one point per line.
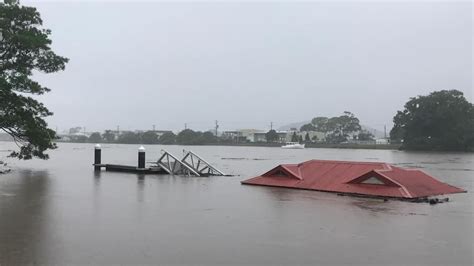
362	178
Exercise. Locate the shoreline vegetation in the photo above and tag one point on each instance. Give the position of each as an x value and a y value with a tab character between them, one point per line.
261	144
391	146
335	132
374	146
440	121
266	144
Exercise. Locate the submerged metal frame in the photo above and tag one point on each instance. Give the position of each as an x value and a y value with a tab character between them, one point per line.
173	165
199	165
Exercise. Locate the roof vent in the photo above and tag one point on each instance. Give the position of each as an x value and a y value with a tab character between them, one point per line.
279	172
373	178
373	181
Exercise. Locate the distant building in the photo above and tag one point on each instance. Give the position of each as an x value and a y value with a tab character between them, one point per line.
233	136
262	136
259	137
248	134
382	141
81	134
284	136
230	134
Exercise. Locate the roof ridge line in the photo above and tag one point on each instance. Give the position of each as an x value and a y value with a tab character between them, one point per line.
296	174
344	161
387	168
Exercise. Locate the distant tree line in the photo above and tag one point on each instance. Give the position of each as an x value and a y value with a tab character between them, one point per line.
442	120
185	137
336	129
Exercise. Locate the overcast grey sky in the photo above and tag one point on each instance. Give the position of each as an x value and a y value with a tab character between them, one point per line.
246	64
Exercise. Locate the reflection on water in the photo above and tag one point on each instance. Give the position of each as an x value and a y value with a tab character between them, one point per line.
140	187
375	207
380	207
62	212
24	216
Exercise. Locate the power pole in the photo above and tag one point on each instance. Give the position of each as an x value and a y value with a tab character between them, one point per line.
385	131
185	126
271	125
217	126
154	129
118	130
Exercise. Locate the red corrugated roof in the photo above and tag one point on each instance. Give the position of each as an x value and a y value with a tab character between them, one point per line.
364	178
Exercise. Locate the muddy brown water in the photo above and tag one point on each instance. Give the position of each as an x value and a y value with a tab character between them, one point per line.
60	212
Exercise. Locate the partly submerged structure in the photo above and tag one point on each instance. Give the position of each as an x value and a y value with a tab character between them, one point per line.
356	178
190	165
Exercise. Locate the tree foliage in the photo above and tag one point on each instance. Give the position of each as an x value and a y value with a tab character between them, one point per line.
344	124
308	127
167	138
149	137
74	130
24	48
191	137
365	135
108	136
294	137
187	137
95	137
335	138
271	136
320	123
337	129
300	139
443	120
208	137
129	138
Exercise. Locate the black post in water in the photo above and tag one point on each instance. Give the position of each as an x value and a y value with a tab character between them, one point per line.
97	157
141	157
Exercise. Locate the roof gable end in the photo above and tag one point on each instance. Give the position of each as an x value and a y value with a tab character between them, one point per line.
374	177
282	171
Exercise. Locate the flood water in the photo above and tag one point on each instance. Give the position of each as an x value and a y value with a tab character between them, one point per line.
60	212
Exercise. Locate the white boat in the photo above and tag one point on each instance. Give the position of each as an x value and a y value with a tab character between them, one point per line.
293	145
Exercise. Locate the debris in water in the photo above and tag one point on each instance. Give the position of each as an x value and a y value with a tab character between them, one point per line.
242	158
3	168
